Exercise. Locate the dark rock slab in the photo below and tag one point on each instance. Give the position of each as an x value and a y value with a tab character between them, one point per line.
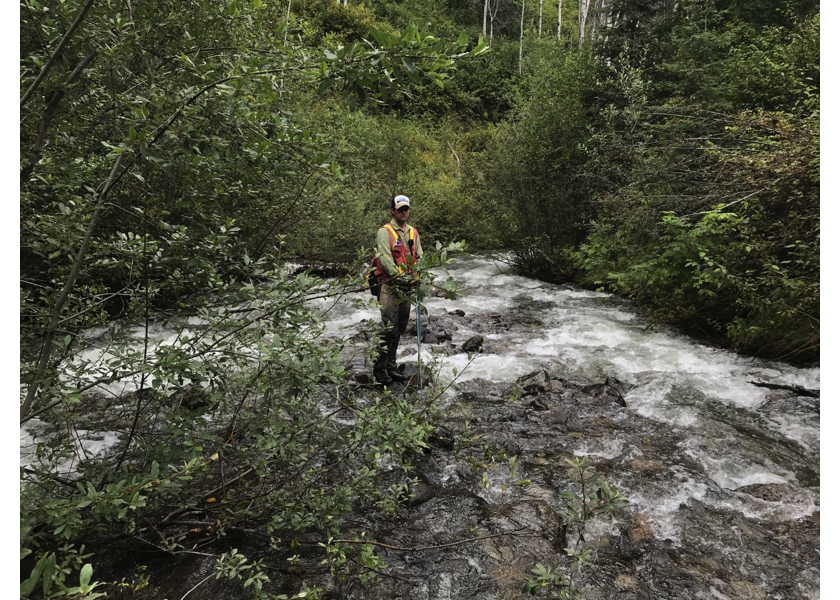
536	382
605	394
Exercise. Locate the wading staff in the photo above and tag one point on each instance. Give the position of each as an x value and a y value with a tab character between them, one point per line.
417	320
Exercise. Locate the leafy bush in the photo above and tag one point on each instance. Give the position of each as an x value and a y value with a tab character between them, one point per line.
747	269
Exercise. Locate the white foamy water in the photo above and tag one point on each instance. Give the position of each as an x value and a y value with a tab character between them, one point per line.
702	391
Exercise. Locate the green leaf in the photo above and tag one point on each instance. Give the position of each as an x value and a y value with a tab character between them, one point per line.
27	586
85	575
409	34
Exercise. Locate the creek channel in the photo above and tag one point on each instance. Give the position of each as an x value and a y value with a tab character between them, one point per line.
722	475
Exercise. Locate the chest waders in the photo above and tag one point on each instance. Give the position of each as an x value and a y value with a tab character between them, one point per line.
395	305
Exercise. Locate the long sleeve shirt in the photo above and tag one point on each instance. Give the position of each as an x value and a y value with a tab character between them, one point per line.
383	247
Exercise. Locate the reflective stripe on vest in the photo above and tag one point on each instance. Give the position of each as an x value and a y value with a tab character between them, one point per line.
399	255
395	235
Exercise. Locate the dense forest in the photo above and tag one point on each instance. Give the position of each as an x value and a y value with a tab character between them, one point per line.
174	154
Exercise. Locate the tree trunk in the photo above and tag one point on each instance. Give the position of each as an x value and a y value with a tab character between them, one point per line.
597	19
521	35
539	21
583	10
484	25
559	17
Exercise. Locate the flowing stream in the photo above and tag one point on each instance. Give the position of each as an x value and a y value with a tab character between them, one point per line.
722	476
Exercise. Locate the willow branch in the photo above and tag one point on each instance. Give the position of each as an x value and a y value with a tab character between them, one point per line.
63	42
55	315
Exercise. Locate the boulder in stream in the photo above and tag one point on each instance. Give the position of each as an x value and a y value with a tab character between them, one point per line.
538	404
144	395
557	417
435	336
607	392
473	344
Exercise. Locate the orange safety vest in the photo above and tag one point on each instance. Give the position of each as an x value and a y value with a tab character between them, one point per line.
398	251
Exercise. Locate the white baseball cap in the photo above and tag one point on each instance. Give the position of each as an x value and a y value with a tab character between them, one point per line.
400	201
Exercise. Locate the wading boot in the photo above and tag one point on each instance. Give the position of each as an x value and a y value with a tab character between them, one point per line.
381	376
396	375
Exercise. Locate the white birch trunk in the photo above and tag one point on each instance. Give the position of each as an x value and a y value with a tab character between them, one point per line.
493	12
559	17
539	22
486	10
583	9
521	35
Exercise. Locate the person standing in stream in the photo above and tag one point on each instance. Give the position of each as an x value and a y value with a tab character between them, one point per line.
398	252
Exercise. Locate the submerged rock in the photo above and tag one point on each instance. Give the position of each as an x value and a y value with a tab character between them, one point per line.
646	465
770	492
641	529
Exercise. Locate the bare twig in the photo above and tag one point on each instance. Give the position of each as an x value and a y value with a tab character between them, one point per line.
197	585
747	197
